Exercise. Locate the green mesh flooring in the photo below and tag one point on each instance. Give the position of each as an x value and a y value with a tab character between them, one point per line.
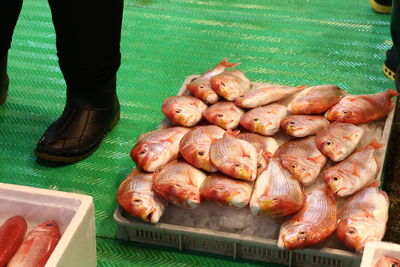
282	41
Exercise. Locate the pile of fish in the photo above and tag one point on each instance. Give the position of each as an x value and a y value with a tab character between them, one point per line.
34	249
221	148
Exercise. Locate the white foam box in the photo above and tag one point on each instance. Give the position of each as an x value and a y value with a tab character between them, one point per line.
375	250
74	214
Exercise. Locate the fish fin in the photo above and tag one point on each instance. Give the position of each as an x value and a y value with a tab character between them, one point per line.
320	159
374	184
226	64
354	170
365	210
375	145
232	133
391	93
302	86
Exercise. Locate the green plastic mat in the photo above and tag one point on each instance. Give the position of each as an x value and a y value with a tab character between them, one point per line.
163	41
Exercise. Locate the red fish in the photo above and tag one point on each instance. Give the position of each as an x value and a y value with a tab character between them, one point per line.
302	158
37	246
362	108
195	146
387	261
312	224
224	114
304	125
230	84
201	86
363	218
12	234
276	192
226	191
183	110
315	100
137	197
179	183
157	148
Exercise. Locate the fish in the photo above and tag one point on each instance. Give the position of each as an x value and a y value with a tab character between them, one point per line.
354	173
276	192
363	218
37	246
313	223
387	261
360	109
264	120
12	234
201	86
195	146
315	100
302	158
265	94
179	183
230	84
234	157
224	114
157	148
183	110
137	197
226	191
304	125
265	147
339	140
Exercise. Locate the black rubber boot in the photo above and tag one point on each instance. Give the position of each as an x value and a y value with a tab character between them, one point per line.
81	127
382	6
4	81
393	54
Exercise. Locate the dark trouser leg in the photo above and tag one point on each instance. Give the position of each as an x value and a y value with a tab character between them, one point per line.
9	12
395	32
88	36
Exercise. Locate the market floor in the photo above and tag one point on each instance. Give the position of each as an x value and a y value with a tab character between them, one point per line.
281	41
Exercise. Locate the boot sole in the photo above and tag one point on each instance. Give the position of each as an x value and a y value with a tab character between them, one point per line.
388	72
381	8
63	159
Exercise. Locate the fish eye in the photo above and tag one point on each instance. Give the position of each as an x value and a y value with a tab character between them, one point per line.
259	166
255	119
352	231
220	115
178	111
346	112
394	265
241	96
142	152
237	165
294	166
335	178
138	201
329	142
292	122
223	84
200	153
49	225
201	86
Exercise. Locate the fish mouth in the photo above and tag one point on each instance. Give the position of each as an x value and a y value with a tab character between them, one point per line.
340	192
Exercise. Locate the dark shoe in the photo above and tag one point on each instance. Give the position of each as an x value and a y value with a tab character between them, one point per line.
382	6
391	63
4	81
397	80
79	130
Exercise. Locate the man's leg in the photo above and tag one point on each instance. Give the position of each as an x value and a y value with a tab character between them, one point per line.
88	36
9	12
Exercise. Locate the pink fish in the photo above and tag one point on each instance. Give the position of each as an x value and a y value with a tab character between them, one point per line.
37	246
265	147
313	223
12	234
234	157
183	110
195	146
179	183
276	192
201	86
224	114
230	84
264	95
315	100
355	172
387	261
363	218
157	148
264	120
362	108
226	191
137	197
339	140
304	125
302	158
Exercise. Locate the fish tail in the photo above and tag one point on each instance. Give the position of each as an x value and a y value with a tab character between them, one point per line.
375	144
226	64
302	86
391	93
232	133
